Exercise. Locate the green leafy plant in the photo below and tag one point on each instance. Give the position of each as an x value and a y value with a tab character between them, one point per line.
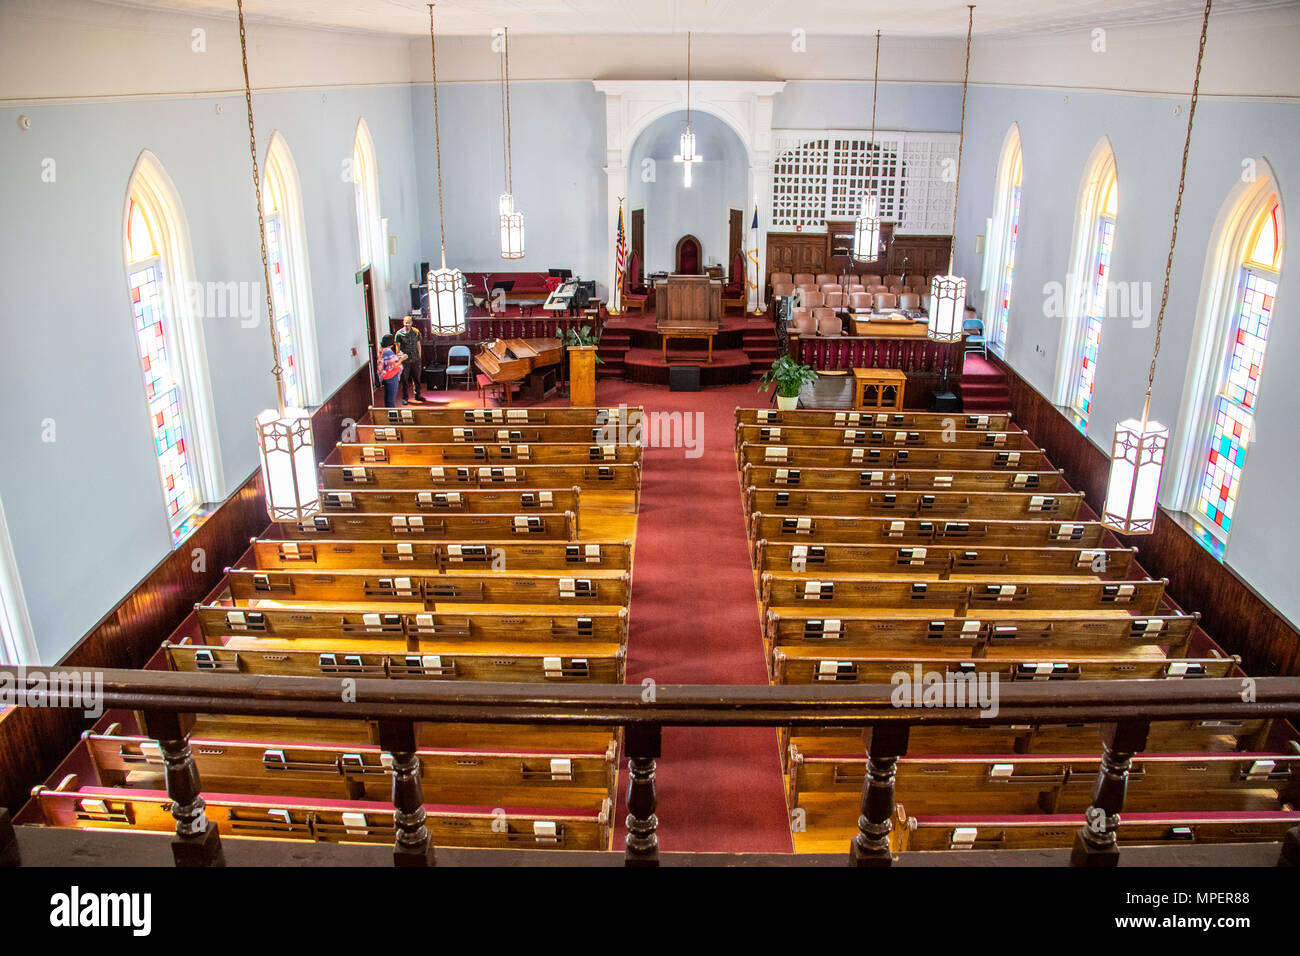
788	376
582	337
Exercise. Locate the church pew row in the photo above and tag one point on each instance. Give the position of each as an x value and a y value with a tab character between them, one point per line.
885	437
852	418
281	765
353	627
325	820
811	665
499	434
568	415
879	456
944	560
1045	633
602	477
482	453
886	530
910	597
901	479
981	504
378	588
585	662
1050	783
331	554
463	501
470	527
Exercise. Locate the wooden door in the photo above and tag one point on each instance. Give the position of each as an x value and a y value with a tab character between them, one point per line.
636	243
365	278
736	230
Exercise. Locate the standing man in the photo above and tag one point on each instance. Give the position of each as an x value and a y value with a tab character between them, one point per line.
408	341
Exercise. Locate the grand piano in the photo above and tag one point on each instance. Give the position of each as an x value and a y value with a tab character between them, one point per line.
534	362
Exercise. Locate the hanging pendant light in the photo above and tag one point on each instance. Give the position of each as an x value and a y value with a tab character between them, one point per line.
512	223
446	286
948	292
285	445
686	154
1137	452
866	228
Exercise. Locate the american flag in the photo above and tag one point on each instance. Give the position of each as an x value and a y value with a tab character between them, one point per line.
620	253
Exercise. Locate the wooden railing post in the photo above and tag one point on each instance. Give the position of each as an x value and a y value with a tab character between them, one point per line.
1095	843
8	841
196	842
885	743
413	846
643	746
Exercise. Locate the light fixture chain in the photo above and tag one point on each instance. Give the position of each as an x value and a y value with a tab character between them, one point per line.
505	160
437	138
961	137
1178	204
276	370
875	154
510	160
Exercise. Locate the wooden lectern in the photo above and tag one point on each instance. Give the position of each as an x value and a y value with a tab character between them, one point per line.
688	307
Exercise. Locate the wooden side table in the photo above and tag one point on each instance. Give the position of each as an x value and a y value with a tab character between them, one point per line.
878	388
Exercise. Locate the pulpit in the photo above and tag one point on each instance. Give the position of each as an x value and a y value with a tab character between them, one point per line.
688	307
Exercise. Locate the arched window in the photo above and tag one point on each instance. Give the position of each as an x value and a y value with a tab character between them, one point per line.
17	640
1004	236
1222	386
365	181
1088	284
286	246
165	303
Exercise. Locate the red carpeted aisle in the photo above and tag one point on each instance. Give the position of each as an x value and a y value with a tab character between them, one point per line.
695	620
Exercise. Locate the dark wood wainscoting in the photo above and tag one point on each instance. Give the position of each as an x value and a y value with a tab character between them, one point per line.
33	741
1231	611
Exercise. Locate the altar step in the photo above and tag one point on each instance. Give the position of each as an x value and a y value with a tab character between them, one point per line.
729	366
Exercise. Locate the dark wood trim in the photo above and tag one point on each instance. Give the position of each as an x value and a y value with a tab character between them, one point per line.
33	741
1232	612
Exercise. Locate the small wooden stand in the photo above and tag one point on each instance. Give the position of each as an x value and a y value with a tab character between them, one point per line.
878	388
582	375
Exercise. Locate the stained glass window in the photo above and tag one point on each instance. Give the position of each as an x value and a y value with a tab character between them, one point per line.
1234	405
282	299
1094	312
1002	316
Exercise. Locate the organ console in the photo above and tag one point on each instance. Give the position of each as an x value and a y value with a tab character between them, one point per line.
505	361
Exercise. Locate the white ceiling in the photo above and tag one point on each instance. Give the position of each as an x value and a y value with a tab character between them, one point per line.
917	18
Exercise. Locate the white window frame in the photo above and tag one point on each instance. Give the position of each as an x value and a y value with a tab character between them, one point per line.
17	636
999	237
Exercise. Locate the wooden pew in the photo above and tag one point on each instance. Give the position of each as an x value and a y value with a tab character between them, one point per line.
460	500
283	765
601	478
430	590
966	504
879	456
803	665
334	553
854	418
885	437
566	415
351	627
944	559
324	820
975	635
483	453
902	479
498	434
456	527
904	531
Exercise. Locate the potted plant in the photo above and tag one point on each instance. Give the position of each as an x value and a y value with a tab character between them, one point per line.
581	344
789	377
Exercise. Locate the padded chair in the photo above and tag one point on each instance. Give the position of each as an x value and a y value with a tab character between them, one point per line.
802	322
973	332
897	288
877	289
859	302
831	287
925	303
782	288
909	302
689	256
833	300
892	280
849	279
782	277
853	287
828	323
803	278
869	279
459	362
811	300
824	278
885	300
733	293
634	294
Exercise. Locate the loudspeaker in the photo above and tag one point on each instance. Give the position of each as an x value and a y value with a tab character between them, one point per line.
683	378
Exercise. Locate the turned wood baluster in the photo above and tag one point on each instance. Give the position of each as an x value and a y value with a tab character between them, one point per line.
413	846
196	842
885	744
1095	844
643	746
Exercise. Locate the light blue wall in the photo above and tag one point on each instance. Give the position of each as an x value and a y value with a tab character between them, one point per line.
846	104
718	184
1147	137
558	139
85	511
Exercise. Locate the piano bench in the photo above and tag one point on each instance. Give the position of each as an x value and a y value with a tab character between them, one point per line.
487	387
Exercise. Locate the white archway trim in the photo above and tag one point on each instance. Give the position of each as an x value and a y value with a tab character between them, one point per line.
1097	173
745	106
283	171
185	302
18	644
996	261
1215	312
374	248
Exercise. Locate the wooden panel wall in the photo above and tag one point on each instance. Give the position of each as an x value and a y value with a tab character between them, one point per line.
1231	611
32	742
812	252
